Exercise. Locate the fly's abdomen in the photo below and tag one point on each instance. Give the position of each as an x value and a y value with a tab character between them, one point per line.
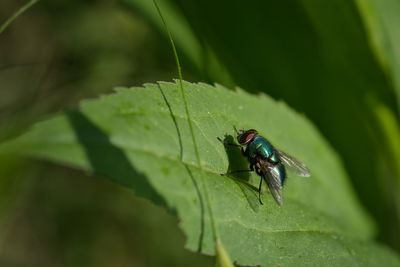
260	146
280	171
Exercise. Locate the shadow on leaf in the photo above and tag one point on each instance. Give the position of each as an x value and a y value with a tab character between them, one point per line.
238	162
108	160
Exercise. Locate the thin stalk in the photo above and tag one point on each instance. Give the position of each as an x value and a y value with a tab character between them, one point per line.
16	14
196	150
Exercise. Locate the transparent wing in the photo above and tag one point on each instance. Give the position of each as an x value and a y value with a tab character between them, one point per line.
293	164
273	180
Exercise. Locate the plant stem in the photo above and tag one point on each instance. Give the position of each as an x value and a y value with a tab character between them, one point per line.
196	150
16	14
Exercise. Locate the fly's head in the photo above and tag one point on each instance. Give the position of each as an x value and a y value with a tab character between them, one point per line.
245	136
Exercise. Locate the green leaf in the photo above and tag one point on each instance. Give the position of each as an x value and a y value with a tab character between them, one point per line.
139	138
382	22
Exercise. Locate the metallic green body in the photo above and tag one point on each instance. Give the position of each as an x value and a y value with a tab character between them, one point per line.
280	170
260	146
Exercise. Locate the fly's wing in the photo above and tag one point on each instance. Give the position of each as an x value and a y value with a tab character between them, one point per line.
273	180
293	164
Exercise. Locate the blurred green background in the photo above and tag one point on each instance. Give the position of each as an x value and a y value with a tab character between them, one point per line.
335	62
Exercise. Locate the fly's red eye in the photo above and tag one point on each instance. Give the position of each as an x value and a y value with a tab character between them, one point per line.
247	136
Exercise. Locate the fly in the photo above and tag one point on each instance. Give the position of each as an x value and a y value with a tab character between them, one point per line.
267	161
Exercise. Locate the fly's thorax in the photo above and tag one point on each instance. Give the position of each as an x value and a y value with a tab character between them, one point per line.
261	147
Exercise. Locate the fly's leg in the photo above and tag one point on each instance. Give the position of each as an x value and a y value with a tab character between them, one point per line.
259	173
259	191
244	152
251	166
237	171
